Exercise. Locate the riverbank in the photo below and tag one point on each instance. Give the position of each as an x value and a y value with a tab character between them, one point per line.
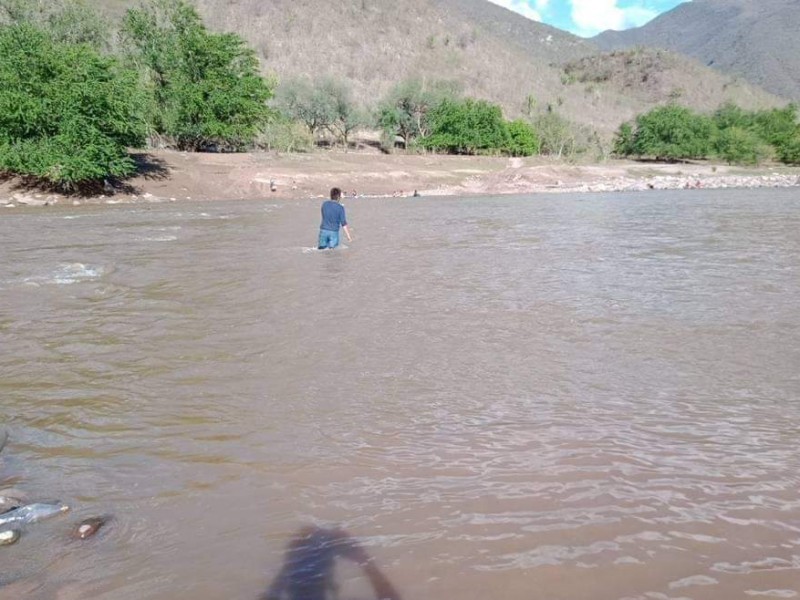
176	176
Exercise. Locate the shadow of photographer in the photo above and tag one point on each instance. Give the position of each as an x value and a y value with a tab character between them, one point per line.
309	565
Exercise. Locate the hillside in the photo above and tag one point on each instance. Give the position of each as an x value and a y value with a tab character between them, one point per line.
492	52
756	40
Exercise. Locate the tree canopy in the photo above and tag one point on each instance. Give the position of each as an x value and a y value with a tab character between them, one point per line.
467	127
206	88
730	133
672	132
404	112
67	114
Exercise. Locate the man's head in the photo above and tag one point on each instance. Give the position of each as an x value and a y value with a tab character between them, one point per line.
336	194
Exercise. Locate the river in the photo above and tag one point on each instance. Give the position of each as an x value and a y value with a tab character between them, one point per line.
589	397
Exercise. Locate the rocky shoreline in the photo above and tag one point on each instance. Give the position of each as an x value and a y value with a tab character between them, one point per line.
681	183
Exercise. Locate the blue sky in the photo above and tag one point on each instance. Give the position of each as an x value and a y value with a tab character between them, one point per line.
589	17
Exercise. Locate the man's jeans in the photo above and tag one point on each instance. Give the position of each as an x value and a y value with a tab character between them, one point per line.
328	239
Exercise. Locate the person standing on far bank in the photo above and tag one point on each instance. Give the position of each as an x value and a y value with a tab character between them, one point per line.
333	217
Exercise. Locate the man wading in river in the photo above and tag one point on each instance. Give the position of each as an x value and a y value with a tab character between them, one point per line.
333	217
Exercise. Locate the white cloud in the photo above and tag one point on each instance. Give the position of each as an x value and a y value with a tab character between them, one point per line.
593	16
523	7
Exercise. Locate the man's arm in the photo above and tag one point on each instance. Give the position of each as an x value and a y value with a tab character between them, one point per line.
344	225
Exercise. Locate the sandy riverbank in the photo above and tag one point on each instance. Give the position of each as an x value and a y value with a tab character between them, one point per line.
175	176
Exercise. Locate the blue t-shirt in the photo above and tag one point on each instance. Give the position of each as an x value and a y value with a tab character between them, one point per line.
332	216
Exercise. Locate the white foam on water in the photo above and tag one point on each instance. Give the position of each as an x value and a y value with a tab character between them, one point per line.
693	581
158	238
772	593
66	274
766	564
314	249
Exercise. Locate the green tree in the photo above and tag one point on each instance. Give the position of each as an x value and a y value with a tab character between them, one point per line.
737	145
788	150
623	140
67	114
345	116
404	111
673	132
300	100
557	136
467	127
325	105
523	140
206	87
776	126
731	115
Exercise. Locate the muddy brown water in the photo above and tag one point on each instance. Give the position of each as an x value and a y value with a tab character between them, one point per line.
555	397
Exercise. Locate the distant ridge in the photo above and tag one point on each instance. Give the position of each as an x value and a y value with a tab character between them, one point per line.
493	53
756	39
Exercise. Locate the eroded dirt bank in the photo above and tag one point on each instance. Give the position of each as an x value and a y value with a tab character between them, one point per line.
176	176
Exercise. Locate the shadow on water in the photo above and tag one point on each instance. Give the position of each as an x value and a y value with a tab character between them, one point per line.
308	572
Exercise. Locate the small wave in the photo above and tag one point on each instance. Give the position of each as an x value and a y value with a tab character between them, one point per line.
766	564
312	249
158	238
66	274
693	581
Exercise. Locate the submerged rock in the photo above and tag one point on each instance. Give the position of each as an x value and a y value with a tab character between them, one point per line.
8	537
88	527
8	503
33	513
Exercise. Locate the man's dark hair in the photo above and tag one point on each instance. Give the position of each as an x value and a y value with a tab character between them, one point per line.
336	194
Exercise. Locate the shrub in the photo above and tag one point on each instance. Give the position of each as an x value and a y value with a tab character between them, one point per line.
736	145
788	150
69	21
731	115
67	114
557	135
776	126
623	140
285	136
522	139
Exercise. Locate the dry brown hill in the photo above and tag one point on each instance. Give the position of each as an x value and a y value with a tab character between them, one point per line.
755	39
494	53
